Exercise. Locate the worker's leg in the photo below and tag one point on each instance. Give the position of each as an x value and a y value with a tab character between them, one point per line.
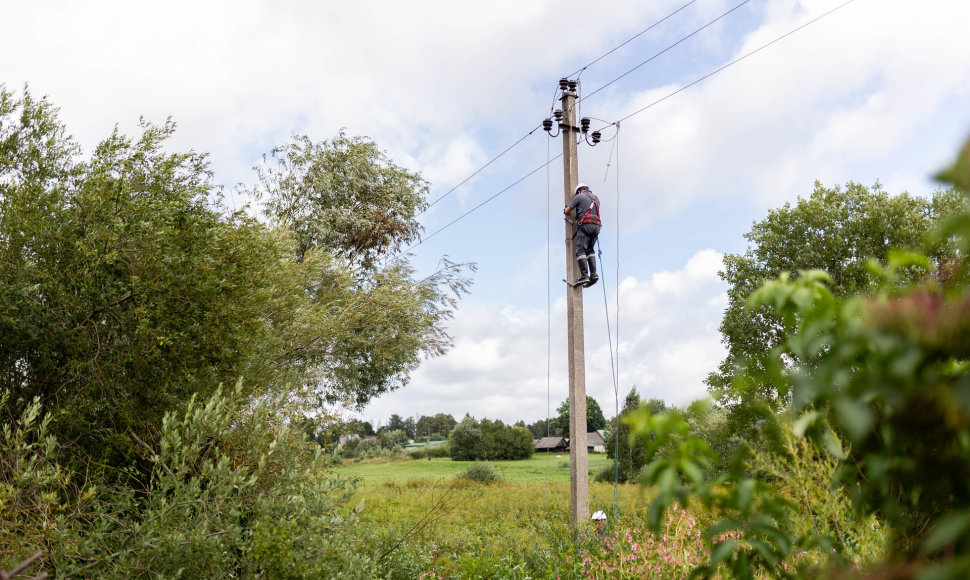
590	233
582	241
591	263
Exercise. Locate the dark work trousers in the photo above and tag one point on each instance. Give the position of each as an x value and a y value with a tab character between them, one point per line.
586	235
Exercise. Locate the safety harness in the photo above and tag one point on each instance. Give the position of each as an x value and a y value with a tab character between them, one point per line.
592	213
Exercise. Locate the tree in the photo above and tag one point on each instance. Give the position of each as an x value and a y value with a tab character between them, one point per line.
344	194
878	380
465	440
487	440
594	416
544	428
395	423
409	427
392	438
836	230
435	427
125	289
359	427
631	456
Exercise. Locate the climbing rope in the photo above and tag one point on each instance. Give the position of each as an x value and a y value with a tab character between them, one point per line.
614	362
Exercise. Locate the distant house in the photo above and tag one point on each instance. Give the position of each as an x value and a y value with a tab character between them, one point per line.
552	445
595	443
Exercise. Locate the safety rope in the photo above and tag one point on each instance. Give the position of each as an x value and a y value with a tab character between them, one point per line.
614	363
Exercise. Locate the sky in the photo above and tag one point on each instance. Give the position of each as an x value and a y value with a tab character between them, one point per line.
878	90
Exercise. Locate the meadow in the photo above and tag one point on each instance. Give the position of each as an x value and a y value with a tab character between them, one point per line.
435	526
539	469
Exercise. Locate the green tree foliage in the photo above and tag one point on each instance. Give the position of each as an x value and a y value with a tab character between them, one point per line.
392	439
631	457
543	428
879	384
358	427
410	427
395	423
837	230
487	440
436	427
125	289
344	194
594	417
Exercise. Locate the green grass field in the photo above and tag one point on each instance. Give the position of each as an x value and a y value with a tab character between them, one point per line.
419	512
540	469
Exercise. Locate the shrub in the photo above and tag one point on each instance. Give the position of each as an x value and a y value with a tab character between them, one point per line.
434	451
234	490
482	472
606	475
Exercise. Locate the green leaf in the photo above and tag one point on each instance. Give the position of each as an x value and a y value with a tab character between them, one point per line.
745	491
855	417
806	420
722	551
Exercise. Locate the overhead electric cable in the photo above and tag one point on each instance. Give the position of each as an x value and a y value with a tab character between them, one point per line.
666	49
480	169
631	39
477	207
637	112
735	61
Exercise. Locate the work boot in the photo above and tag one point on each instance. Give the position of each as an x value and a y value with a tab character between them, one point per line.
593	276
583	271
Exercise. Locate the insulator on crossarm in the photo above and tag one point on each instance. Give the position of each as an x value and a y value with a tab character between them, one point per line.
563	84
596	137
547	125
584	124
573	85
557	114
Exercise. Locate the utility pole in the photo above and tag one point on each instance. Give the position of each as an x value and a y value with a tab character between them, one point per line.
578	455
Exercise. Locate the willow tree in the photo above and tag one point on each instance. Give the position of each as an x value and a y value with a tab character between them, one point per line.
126	288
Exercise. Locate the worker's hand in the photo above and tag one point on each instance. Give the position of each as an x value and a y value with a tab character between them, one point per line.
566	210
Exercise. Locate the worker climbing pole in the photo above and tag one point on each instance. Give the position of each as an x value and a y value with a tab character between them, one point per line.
578	456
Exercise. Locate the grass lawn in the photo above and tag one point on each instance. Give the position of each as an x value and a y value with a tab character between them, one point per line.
540	469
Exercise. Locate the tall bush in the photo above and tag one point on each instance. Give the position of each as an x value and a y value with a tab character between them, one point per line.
879	383
487	440
235	490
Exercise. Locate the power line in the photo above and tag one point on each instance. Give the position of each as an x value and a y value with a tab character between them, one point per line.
591	63
735	61
477	207
712	22
631	39
480	169
637	112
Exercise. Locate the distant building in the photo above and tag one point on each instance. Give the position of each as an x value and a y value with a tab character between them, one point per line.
552	445
595	443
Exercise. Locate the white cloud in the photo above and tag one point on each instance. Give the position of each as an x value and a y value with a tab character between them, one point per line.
876	90
852	91
668	343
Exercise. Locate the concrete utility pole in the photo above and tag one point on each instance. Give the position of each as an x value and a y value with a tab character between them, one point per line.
578	456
